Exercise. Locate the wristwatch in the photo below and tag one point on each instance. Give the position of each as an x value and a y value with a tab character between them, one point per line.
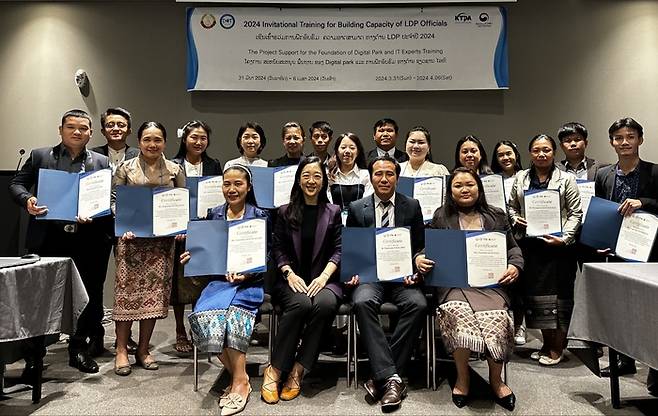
286	273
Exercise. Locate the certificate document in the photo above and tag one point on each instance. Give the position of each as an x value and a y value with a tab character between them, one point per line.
94	194
542	212
486	257
429	193
209	194
171	211
284	179
247	246
636	236
494	191
393	250
586	189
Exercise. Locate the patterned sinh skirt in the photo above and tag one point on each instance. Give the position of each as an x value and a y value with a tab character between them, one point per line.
142	285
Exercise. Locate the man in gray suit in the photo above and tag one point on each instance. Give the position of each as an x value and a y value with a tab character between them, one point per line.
573	140
116	127
86	241
387	208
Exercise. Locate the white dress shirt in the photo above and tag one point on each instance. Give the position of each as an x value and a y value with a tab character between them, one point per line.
379	211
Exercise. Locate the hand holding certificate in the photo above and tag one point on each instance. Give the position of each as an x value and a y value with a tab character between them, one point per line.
543	213
151	212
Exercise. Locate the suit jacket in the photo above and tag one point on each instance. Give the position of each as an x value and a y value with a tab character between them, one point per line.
494	219
399	155
407	213
287	244
592	167
28	178
647	191
130	151
211	167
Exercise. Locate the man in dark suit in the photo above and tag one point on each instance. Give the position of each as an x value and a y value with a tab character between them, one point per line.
573	140
116	127
387	208
385	133
86	241
633	183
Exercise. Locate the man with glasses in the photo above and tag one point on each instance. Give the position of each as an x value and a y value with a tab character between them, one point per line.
115	126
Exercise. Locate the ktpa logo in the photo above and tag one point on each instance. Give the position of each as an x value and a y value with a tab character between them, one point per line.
463	18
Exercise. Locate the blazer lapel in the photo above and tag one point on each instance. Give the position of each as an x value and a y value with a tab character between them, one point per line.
610	182
297	242
400	210
320	230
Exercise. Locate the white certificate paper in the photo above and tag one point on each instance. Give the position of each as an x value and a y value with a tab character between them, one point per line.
393	248
494	191
171	211
636	236
209	195
486	258
247	245
284	179
542	212
586	189
429	193
94	194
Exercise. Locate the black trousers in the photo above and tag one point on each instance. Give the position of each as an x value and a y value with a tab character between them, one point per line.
302	318
89	248
385	359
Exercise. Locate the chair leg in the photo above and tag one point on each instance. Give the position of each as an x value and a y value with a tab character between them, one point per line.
355	354
349	348
427	350
270	338
196	368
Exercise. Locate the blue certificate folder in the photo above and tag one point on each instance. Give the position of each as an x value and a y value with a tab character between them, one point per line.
448	250
263	180
359	254
59	191
602	224
207	242
134	210
192	184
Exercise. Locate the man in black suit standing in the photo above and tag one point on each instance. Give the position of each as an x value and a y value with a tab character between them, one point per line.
633	183
385	134
86	241
387	208
116	127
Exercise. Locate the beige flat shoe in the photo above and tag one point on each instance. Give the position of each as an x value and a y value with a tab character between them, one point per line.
234	404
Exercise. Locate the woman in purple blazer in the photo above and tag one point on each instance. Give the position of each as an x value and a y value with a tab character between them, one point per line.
307	249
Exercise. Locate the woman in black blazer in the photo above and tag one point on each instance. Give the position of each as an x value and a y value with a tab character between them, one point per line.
195	161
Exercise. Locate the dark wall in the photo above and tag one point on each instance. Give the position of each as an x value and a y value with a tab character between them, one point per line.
13	220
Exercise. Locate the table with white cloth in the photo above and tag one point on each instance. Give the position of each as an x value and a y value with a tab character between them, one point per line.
38	301
616	304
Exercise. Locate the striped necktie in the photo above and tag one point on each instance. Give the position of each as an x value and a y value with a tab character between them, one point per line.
386	218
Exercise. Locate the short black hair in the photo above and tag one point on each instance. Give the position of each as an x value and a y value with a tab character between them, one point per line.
570	128
383	122
187	129
626	122
385	158
323	126
117	111
147	125
259	130
76	113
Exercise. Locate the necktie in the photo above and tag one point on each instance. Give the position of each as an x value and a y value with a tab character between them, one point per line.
385	214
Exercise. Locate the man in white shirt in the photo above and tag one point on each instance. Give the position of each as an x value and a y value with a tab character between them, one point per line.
573	141
115	126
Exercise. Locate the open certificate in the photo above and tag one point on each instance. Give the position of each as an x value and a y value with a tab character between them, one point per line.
151	212
427	190
67	195
636	236
218	247
542	212
586	189
272	186
494	191
465	258
376	254
205	193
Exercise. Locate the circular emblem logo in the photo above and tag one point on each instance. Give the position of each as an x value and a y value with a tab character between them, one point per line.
227	21
484	17
208	21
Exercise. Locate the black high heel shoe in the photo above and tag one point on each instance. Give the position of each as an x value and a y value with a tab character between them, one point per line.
508	402
460	400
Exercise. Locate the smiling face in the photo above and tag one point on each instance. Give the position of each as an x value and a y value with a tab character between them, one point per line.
196	141
469	155
116	129
626	142
250	143
293	142
574	146
385	137
464	189
310	181
542	153
152	143
235	187
347	153
506	158
384	179
417	146
75	133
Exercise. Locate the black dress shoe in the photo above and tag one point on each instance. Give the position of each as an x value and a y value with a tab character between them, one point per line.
83	362
623	368
372	390
460	400
394	392
508	402
96	347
